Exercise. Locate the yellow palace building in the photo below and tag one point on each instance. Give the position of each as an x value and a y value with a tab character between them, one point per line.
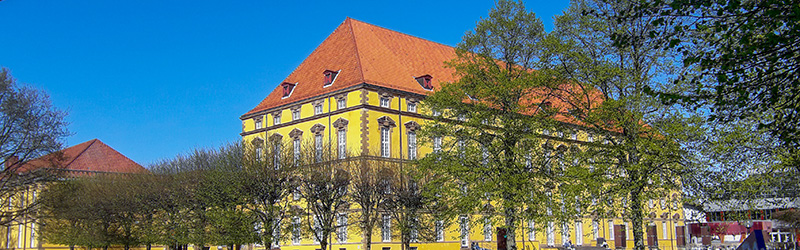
360	90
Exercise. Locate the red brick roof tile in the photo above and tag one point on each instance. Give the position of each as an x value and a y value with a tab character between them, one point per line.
366	53
92	155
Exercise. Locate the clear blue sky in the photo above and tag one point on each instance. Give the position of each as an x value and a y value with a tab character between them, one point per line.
153	79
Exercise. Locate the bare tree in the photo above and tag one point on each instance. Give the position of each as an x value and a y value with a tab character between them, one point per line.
368	189
30	127
324	181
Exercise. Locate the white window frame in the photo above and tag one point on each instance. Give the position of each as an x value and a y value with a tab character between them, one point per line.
386	228
579	233
33	240
318	140
531	230
341	231
463	223
276	120
595	230
296	235
611	230
341	139
296	114
564	233
296	148
487	229
664	230
258	123
318	109
439	228
437	144
412	145
341	103
386	142
551	239
412	107
20	236
385	102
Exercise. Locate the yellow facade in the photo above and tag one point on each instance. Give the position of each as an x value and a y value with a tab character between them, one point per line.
363	111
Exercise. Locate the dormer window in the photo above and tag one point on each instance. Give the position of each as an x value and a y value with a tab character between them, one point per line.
330	75
425	81
287	88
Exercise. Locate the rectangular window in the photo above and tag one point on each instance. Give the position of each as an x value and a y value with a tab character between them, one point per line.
531	230
564	233
551	240
20	236
412	145
385	142
487	230
664	229
341	103
259	153
295	230
464	226
341	233
595	230
573	136
276	120
412	107
386	230
33	235
628	231
296	194
385	102
610	229
437	144
439	228
276	234
318	109
579	233
318	147
296	149
258	123
277	158
589	138
296	114
342	142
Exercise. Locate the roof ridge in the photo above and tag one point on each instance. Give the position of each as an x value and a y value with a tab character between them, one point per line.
82	151
355	44
398	32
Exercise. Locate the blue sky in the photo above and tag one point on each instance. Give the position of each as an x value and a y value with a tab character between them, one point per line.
154	79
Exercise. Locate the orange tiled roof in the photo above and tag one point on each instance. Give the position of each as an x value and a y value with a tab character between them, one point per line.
366	53
92	155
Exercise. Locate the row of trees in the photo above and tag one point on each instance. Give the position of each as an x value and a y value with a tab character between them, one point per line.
238	195
692	96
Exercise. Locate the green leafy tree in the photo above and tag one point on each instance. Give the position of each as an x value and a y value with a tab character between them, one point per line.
490	120
633	156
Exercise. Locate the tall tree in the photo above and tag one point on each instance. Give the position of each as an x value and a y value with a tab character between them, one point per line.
29	127
368	187
323	183
412	203
632	154
488	122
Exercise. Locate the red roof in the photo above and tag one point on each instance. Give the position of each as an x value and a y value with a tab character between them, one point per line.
92	155
365	53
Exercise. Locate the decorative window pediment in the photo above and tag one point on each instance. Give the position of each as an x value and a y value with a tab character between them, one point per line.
317	129
258	142
340	123
412	126
296	134
385	121
275	137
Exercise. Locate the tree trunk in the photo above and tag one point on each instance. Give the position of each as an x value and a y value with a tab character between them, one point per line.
637	216
511	221
367	239
149	246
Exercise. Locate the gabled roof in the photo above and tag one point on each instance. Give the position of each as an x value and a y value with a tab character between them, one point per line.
365	53
92	155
